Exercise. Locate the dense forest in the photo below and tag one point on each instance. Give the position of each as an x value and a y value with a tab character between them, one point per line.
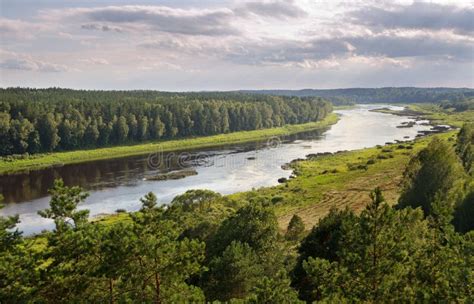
374	95
45	120
206	247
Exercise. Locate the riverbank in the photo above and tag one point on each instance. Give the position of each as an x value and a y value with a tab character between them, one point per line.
340	180
433	113
345	179
323	180
42	161
328	180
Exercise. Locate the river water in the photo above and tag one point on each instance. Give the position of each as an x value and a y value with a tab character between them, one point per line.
119	183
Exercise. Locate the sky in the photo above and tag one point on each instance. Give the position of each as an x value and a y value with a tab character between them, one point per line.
228	45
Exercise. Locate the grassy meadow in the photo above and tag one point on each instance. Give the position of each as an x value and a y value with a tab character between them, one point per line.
341	180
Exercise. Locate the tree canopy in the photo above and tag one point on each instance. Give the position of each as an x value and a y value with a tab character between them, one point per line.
45	120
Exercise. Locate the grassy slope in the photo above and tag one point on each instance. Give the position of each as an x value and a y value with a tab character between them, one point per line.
61	158
438	116
312	193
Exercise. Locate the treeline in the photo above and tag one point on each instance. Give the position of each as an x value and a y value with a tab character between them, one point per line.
376	95
45	120
459	105
207	248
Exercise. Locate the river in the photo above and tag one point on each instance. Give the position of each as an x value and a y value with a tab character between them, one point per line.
119	183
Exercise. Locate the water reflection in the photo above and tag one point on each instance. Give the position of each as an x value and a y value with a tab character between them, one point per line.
98	175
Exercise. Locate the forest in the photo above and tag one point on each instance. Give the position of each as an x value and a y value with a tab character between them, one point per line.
376	95
47	120
204	247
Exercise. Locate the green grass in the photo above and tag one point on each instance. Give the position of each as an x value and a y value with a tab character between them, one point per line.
438	115
345	107
41	161
433	113
346	179
329	181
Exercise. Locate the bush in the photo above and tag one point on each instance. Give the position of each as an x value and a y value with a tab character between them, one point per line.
353	167
295	229
277	199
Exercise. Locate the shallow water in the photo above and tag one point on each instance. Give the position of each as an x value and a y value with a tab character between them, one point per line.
119	183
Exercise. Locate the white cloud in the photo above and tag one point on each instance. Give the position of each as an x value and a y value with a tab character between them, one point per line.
152	18
13	61
274	9
271	36
94	61
19	29
418	15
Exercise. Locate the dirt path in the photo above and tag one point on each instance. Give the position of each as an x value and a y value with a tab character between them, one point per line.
356	197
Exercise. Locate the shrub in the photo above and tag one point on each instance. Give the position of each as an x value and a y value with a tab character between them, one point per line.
295	229
277	199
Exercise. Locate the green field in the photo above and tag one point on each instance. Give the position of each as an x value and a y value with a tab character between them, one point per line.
434	114
438	116
41	161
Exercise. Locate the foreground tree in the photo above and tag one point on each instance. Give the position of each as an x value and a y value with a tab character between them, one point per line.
18	268
252	253
394	256
143	259
254	224
160	262
234	273
322	242
63	206
434	174
295	229
274	290
464	213
464	150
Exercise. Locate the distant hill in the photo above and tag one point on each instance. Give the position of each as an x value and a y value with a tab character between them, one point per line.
378	95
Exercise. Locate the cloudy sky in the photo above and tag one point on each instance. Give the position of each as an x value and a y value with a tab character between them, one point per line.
225	45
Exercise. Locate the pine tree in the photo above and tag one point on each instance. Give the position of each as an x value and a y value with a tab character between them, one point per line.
161	261
274	290
295	229
253	224
91	134
48	132
433	174
464	150
18	269
233	274
322	242
63	206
